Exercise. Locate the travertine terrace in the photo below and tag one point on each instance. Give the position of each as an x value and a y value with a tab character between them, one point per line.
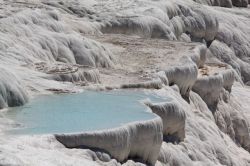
194	52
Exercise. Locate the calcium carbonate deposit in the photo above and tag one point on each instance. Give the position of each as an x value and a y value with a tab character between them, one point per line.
194	55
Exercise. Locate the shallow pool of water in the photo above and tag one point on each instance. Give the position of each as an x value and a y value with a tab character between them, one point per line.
86	111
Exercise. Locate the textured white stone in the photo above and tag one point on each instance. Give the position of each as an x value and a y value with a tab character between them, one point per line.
209	114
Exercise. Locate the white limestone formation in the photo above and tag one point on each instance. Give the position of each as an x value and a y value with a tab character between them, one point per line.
138	139
33	37
80	75
173	118
226	55
12	91
184	76
211	87
62	46
225	3
185	73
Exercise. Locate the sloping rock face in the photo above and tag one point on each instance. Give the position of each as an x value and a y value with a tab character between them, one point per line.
37	36
190	52
173	118
12	92
211	87
141	140
225	3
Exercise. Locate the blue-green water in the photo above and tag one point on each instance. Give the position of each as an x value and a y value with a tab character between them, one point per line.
90	110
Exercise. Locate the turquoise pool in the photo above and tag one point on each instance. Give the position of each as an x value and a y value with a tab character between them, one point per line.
86	111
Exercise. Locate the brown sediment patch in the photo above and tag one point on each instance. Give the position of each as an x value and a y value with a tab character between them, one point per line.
212	69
